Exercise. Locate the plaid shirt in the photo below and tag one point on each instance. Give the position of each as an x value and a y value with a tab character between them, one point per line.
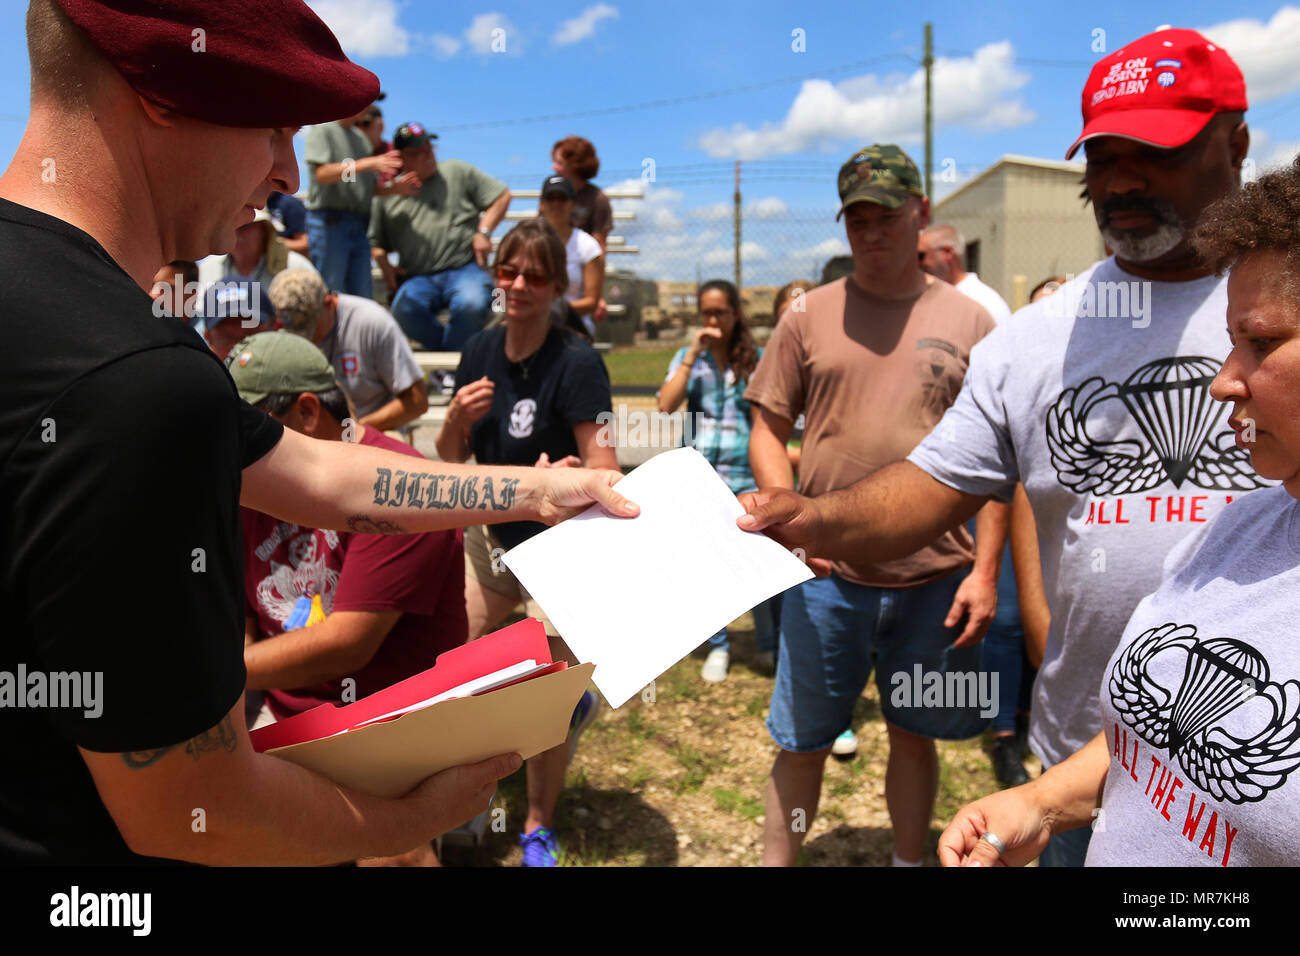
719	419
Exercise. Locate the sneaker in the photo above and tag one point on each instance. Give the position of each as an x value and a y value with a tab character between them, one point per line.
540	848
715	666
1007	766
584	715
846	744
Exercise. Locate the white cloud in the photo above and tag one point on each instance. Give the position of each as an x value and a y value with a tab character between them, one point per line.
770	207
584	24
1266	155
658	208
717	210
824	250
365	27
1266	52
483	37
749	252
979	91
444	46
684	244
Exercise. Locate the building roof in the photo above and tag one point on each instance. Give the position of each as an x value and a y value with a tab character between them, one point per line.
1012	160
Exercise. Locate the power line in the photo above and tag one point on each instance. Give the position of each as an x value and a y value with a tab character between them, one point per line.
671	101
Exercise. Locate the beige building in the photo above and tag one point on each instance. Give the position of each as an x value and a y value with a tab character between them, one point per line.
1023	217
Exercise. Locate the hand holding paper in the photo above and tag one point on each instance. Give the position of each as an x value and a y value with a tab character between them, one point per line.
635	597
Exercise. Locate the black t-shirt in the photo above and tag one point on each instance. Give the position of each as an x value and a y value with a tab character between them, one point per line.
535	405
122	440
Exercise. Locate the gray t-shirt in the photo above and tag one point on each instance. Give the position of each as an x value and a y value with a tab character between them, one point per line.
432	230
1201	704
371	357
332	143
1097	399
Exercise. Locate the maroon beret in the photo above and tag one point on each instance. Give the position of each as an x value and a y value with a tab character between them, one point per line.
257	63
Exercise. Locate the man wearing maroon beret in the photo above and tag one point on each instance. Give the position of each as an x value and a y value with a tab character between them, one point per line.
152	138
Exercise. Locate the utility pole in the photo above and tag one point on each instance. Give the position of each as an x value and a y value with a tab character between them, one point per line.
737	216
927	61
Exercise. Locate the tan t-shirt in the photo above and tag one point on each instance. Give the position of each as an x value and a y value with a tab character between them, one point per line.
872	377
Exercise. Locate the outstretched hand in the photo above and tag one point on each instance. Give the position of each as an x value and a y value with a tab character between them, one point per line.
788	518
565	492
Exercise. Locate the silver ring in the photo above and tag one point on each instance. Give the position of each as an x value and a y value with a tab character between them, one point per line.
992	839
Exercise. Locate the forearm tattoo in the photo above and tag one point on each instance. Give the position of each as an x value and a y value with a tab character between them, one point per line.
220	737
417	489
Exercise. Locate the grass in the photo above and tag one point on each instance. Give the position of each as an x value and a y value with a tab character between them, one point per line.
698	766
639	366
741	804
681	781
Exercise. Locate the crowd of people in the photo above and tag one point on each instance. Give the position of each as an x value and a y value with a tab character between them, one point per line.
1041	496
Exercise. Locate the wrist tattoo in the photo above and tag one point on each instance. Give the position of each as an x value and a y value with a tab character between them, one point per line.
397	489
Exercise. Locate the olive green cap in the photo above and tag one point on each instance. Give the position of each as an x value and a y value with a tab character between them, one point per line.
278	363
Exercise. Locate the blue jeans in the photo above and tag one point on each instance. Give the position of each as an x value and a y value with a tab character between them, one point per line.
465	291
767	618
1067	849
340	251
834	632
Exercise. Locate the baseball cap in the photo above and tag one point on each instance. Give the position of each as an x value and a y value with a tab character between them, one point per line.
242	300
298	296
1161	89
242	63
882	174
411	134
278	363
557	184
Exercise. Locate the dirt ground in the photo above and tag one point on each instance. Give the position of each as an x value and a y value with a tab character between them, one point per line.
679	781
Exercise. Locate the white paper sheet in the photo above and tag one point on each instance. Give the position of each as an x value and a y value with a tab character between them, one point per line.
478	685
635	596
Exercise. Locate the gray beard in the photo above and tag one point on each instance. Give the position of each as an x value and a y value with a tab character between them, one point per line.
1145	248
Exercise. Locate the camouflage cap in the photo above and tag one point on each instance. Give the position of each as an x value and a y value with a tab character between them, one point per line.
278	363
298	296
882	174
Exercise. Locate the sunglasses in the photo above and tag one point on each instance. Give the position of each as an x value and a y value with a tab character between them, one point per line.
507	275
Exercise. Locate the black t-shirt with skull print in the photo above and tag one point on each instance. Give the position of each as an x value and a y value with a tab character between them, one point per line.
535	404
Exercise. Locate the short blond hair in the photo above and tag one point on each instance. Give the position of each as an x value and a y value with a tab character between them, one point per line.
65	64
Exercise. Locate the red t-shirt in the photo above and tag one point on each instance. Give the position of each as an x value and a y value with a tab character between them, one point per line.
421	575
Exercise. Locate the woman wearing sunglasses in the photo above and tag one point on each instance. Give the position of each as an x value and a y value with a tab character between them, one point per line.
527	393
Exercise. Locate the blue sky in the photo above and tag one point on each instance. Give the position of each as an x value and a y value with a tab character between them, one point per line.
1008	81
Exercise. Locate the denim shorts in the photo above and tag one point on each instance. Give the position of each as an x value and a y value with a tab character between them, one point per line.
834	632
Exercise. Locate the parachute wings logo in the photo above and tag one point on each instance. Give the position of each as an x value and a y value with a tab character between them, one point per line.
1219	676
1170	401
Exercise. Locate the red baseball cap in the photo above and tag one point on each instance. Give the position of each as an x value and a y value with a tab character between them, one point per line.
245	63
1161	89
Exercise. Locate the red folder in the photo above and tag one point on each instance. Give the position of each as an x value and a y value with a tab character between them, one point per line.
519	642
